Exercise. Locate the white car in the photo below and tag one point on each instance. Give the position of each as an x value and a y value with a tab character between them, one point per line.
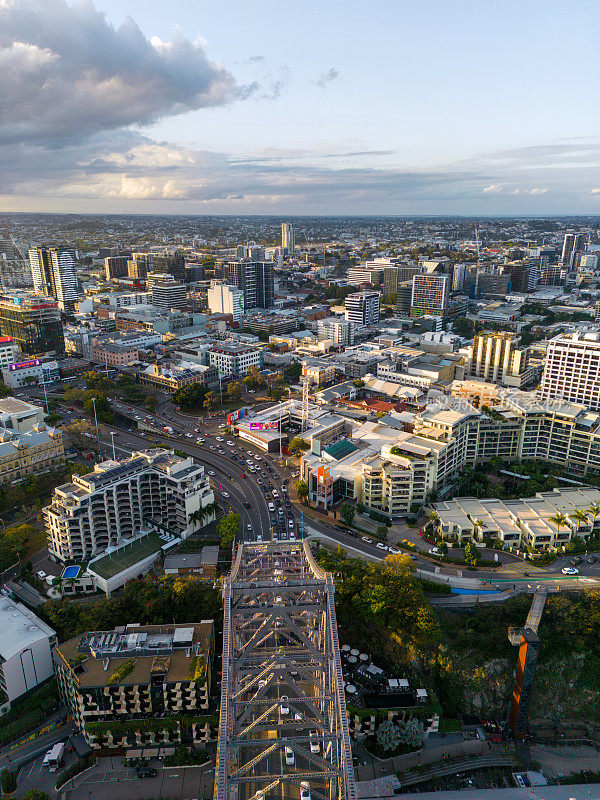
211	472
291	524
248	527
434	551
314	742
224	494
220	439
230	443
41	574
289	756
284	708
305	787
393	550
565	571
381	546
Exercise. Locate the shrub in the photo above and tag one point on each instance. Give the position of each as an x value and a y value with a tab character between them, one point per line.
8	782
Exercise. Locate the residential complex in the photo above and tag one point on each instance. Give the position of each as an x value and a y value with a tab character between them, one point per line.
254	279
224	299
119	498
430	295
288	240
139	684
168	293
234	360
497	358
53	272
572	369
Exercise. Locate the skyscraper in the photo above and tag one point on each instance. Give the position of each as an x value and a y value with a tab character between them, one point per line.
173	263
255	279
53	272
573	243
287	238
572	368
430	294
223	299
34	323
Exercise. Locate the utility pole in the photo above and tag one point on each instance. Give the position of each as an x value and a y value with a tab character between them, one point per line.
112	438
97	430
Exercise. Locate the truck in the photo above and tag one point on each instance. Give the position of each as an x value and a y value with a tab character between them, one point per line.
55	756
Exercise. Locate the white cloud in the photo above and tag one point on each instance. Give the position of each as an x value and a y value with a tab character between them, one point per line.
493	188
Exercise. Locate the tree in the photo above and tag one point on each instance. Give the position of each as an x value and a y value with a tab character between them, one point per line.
594	511
234	390
347	513
227	529
151	402
302	489
388	736
580	516
298	445
211	401
560	520
464	327
5	391
293	372
412	733
478	528
36	794
190	396
359	383
8	782
81	433
472	555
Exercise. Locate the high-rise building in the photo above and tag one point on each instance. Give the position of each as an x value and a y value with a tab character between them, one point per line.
362	308
116	266
53	272
224	299
139	265
104	507
495	356
363	274
33	321
254	278
288	241
573	243
404	298
552	275
430	293
172	263
572	369
167	292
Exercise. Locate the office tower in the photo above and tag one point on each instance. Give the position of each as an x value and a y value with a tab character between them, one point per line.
116	266
255	279
288	241
430	293
404	298
573	243
497	358
234	360
34	323
172	263
224	299
115	501
168	293
552	275
139	265
458	277
362	308
572	369
53	272
363	274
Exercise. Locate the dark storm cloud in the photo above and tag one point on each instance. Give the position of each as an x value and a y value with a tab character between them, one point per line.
66	73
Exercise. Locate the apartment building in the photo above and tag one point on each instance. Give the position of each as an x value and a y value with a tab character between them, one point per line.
430	295
527	521
495	356
139	684
363	274
254	278
33	321
362	308
318	373
53	272
224	299
233	360
341	332
572	369
25	651
112	503
9	352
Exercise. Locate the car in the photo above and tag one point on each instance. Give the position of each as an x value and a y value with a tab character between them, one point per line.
393	550
220	439
382	546
247	505
271	508
314	741
305	786
434	551
212	448
284	708
41	574
298	716
289	756
146	772
259	537
575	561
224	494
591	560
292	536
291	524
570	571
244	475
200	440
231	444
211	472
366	539
248	527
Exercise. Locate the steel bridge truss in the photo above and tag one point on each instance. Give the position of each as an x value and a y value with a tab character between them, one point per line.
283	712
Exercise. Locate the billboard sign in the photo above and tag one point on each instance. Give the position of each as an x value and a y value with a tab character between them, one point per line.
235	415
262	426
35	362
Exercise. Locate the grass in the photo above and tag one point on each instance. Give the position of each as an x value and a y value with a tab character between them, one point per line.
110	565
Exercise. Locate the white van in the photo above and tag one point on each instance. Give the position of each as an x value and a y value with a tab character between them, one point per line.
271	508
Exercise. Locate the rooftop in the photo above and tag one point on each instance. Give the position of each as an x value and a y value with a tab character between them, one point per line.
115	560
19	628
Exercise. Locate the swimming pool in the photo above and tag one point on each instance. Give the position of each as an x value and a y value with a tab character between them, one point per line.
70	572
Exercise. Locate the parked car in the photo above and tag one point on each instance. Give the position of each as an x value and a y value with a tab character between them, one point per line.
570	571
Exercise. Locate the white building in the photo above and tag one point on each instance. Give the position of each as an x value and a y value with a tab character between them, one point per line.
54	274
341	332
365	274
25	651
495	356
288	241
168	294
572	369
233	361
226	299
17	415
34	371
113	503
362	308
9	351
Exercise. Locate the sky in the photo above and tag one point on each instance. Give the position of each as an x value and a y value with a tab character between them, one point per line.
312	107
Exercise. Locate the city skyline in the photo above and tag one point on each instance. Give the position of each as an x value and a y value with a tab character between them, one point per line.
445	109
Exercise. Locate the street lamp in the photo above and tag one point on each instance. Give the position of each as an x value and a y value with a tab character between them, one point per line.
97	431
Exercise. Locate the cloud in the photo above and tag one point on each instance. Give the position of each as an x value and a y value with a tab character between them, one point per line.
257	58
595	191
533	191
66	73
493	188
327	77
